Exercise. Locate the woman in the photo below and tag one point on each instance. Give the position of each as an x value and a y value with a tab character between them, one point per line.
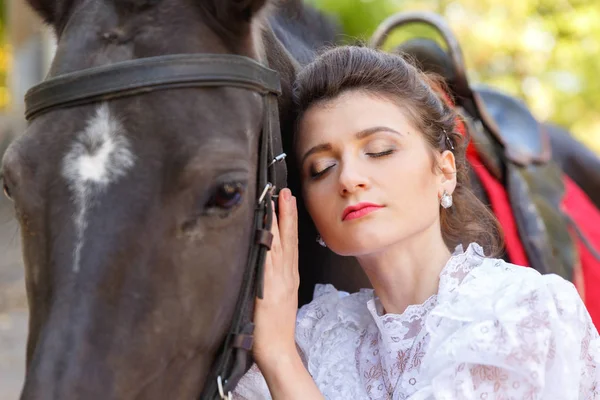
385	180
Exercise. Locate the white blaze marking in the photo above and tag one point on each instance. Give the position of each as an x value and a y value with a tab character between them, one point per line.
100	155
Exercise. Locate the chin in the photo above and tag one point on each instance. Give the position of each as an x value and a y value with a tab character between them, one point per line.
359	246
369	238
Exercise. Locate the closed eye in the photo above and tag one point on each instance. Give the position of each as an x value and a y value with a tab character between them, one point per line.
318	174
381	154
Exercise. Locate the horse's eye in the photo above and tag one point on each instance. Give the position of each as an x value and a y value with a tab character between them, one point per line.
6	191
227	196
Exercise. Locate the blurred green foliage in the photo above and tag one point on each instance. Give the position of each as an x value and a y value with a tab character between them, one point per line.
546	52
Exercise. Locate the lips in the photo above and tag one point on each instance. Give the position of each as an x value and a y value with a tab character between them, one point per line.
359	210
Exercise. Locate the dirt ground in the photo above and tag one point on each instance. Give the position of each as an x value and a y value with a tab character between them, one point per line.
13	306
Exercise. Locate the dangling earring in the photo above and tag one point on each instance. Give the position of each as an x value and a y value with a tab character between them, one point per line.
446	200
320	240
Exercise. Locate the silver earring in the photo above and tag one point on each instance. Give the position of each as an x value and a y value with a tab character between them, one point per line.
446	200
320	240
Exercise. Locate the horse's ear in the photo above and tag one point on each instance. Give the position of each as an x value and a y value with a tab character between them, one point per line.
235	15
46	9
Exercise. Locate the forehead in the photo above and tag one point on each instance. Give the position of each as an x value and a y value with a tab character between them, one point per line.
103	143
349	113
158	28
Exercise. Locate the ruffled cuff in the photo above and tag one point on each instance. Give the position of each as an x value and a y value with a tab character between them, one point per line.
252	386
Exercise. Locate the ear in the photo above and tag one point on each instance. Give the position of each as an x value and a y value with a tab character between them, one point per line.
235	15
447	166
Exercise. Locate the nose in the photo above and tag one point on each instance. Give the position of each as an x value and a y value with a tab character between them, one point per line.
351	179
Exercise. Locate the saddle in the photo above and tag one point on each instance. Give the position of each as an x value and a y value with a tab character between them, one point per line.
512	145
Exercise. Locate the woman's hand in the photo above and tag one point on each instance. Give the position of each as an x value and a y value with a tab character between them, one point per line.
275	314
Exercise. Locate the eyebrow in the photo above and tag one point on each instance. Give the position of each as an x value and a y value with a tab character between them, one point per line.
359	135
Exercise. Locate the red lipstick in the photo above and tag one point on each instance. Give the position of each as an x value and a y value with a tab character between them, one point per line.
359	210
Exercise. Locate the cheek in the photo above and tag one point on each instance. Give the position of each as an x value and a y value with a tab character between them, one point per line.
428	182
319	201
413	183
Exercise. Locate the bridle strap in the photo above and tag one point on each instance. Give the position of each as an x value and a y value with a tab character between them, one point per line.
234	361
144	75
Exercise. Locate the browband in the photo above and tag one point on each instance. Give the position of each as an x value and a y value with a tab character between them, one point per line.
145	75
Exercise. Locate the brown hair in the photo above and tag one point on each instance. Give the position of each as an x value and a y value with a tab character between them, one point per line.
359	68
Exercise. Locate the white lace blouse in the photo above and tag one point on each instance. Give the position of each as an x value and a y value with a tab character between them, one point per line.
493	331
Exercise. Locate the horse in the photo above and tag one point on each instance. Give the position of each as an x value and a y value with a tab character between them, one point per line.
140	198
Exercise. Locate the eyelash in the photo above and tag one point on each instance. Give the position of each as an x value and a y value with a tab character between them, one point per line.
316	175
381	154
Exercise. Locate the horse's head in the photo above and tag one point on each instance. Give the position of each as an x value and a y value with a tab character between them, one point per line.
136	213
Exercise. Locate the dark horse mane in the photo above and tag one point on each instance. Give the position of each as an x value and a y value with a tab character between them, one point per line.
292	32
289	21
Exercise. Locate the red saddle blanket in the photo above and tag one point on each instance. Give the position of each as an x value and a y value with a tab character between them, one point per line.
577	205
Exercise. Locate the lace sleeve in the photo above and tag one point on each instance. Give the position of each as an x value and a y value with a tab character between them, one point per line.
310	323
532	339
252	386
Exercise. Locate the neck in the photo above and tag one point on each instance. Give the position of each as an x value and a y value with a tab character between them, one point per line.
407	272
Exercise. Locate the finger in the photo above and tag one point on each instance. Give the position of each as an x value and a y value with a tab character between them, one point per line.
288	227
272	256
286	217
295	247
268	270
276	244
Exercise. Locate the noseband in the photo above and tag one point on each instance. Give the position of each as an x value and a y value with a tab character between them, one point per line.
145	75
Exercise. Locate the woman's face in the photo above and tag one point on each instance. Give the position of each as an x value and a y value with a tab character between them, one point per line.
369	179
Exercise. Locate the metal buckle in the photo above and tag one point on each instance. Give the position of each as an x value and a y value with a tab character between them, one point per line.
221	391
280	157
269	187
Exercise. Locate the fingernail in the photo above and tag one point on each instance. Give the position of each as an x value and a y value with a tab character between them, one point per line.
286	194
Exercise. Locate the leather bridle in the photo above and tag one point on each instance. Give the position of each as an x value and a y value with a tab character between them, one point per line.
140	76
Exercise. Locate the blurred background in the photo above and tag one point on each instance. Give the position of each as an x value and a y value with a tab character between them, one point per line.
546	52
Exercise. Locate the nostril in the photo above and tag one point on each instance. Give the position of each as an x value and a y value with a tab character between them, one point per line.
6	190
6	183
10	171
